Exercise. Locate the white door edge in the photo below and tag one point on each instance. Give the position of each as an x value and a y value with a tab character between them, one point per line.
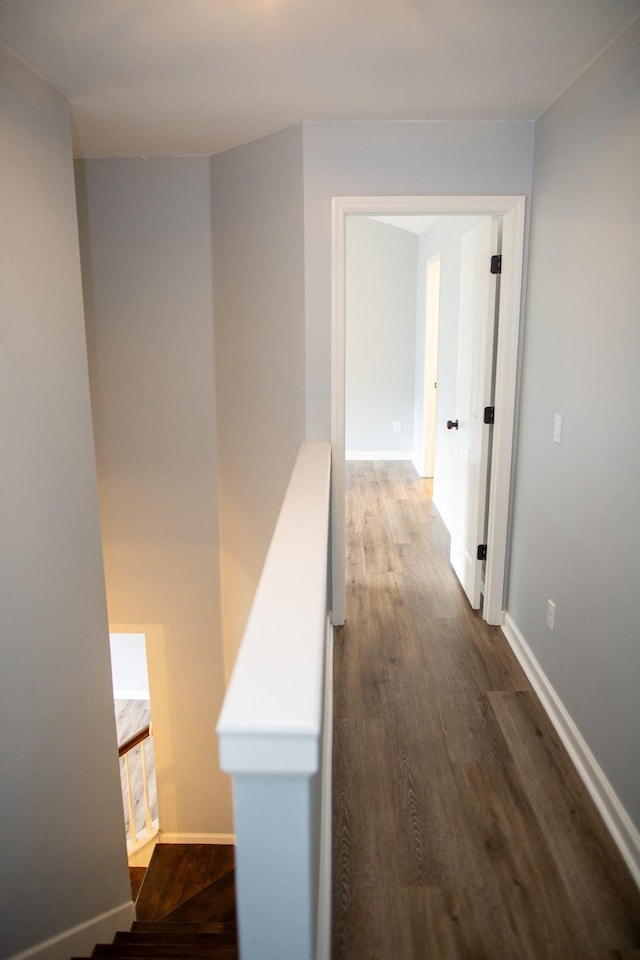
512	209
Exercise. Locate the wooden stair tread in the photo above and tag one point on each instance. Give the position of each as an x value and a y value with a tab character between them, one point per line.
223	951
218	942
170	937
217	902
186	907
177	873
178	929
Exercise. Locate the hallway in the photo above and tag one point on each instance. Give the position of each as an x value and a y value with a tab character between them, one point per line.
460	827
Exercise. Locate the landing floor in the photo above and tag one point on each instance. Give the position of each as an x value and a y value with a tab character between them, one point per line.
461	829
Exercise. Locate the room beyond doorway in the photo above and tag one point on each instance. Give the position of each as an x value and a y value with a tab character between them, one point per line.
132	707
512	211
420	298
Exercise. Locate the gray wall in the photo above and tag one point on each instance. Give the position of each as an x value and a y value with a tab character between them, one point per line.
146	249
385	159
381	263
443	236
576	530
258	261
61	827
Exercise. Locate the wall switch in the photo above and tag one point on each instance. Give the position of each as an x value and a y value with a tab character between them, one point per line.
397	426
551	614
557	428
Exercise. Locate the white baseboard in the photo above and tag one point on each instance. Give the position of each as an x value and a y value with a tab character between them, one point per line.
143	840
379	455
225	838
418	465
624	833
79	941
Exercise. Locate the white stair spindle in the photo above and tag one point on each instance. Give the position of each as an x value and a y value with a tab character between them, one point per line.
132	819
145	788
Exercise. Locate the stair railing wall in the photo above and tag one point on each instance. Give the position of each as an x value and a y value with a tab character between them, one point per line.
130	755
275	732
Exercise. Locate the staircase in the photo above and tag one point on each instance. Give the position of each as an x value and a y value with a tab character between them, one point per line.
185	907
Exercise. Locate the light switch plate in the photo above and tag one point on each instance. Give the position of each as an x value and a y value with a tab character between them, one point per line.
557	428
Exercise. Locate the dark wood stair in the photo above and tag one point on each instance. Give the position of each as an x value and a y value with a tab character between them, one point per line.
185	907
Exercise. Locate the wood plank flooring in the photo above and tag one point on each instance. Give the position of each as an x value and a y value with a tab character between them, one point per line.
460	827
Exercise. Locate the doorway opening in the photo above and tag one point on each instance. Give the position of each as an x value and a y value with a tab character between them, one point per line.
511	212
132	707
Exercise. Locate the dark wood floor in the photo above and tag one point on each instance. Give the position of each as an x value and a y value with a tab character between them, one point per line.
185	905
460	827
188	883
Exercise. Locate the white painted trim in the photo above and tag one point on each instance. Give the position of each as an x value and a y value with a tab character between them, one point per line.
379	455
512	209
505	408
221	838
338	360
143	839
624	833
271	718
323	947
131	694
79	941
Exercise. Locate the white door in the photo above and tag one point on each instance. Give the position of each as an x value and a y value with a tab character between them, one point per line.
474	388
429	406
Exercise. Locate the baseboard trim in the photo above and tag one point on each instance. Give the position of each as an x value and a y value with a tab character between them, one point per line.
379	455
224	838
79	941
620	826
418	466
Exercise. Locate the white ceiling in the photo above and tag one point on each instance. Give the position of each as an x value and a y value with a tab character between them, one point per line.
198	76
414	224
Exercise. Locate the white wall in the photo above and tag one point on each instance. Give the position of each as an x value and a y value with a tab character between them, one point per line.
443	236
386	159
381	263
146	250
63	856
258	261
129	672
576	531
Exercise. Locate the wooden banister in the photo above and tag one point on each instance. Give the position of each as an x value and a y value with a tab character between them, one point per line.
134	741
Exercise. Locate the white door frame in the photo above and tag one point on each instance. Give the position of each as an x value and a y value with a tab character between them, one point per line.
512	209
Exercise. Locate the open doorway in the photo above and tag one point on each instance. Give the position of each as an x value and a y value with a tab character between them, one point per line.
511	209
132	707
402	274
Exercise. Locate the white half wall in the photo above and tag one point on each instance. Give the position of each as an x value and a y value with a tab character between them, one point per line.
381	263
146	256
258	263
63	861
576	525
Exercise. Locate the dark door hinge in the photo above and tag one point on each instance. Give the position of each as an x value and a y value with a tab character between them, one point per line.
482	551
496	263
489	413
